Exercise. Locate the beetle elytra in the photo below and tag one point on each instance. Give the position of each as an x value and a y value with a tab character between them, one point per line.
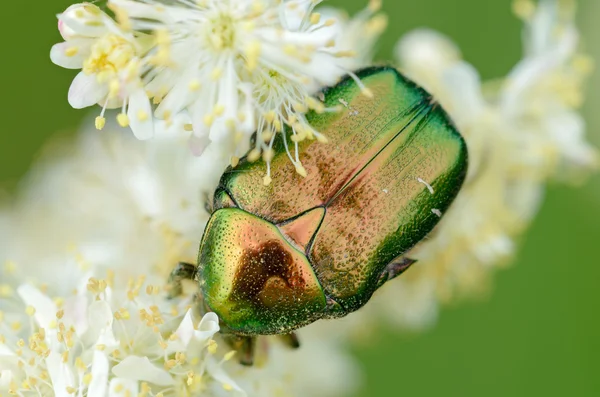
275	258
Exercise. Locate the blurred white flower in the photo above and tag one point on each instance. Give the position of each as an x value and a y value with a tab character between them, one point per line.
110	59
228	68
211	56
520	132
358	33
100	341
109	217
543	92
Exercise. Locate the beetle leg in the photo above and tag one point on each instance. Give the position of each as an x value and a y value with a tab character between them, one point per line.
245	345
291	340
208	203
394	269
183	271
247	351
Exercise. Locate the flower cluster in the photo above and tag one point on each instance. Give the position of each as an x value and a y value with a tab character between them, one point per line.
521	132
220	70
100	340
88	246
93	235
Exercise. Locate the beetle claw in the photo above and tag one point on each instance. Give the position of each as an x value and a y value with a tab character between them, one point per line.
290	340
208	204
395	268
247	351
245	345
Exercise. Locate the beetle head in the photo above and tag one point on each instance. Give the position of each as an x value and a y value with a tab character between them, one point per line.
254	279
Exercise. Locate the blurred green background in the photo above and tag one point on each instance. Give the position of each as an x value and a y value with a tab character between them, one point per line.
539	331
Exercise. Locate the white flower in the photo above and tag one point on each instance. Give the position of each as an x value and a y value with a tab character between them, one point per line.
543	92
520	133
148	197
114	209
357	34
303	374
237	67
110	59
229	68
101	340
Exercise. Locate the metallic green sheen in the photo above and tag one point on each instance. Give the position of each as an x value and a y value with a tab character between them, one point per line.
392	168
256	280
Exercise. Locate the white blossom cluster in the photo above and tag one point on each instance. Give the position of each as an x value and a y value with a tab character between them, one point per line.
218	69
522	131
88	243
86	251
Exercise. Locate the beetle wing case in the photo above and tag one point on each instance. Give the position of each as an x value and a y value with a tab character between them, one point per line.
394	163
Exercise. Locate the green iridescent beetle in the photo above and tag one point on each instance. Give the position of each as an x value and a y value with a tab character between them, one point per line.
276	258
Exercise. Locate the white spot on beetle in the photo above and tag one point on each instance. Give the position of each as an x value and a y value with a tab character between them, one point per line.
437	212
347	106
386	191
426	184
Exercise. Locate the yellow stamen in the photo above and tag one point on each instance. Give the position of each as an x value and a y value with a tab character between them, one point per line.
194	85
123	120
142	115
71	51
253	155
301	171
524	9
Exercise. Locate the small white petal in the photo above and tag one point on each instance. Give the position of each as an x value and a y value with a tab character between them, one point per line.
535	67
45	309
85	91
293	16
6	377
178	97
423	48
247	127
145	190
175	127
140	115
99	383
100	315
119	387
60	373
141	369
65	31
77	20
541	28
318	39
137	9
208	327
215	369
59	54
162	84
463	85
198	144
184	334
76	311
100	319
567	129
5	351
320	65
198	110
228	97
